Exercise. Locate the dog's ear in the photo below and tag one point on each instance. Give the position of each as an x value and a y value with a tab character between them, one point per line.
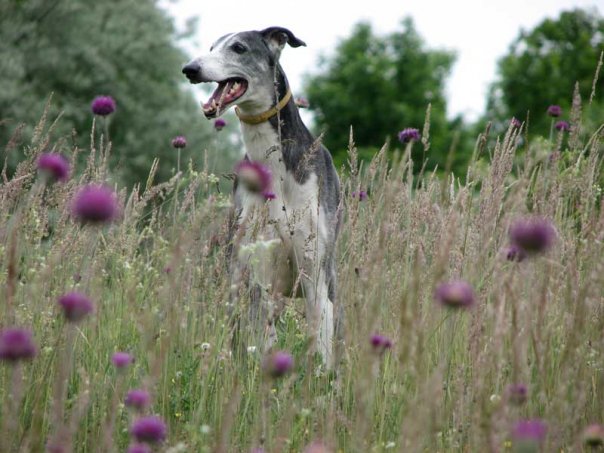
277	37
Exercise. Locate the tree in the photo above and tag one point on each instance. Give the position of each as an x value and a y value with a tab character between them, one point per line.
543	65
78	49
380	85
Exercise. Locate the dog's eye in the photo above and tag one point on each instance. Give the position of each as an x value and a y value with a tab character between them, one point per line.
238	48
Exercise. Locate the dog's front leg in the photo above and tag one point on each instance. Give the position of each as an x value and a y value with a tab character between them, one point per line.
319	313
309	251
253	281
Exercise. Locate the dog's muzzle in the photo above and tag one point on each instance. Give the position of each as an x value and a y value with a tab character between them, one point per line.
193	72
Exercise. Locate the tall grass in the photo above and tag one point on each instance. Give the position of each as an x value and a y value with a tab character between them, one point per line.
158	279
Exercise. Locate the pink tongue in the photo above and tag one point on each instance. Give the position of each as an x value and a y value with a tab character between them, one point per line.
220	94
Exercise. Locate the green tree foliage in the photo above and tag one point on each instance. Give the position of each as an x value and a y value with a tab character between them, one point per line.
380	85
78	49
543	65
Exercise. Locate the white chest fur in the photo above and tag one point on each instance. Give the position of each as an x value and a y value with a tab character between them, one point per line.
295	209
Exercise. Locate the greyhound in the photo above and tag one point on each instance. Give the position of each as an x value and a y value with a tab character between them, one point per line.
301	220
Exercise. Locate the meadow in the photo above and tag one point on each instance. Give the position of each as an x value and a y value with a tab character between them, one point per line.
521	368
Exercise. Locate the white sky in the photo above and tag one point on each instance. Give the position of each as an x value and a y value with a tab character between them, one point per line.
480	31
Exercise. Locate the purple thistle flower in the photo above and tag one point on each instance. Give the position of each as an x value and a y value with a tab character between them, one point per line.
95	204
514	253
554	111
455	294
16	344
219	124
362	195
515	122
139	448
179	142
593	436
55	165
317	447
302	102
121	359
258	450
103	105
256	177
150	429
380	343
56	446
533	235
562	126
409	134
268	195
137	399
278	364
75	306
517	394
529	432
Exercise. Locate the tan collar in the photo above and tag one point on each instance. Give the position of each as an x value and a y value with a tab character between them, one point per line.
265	116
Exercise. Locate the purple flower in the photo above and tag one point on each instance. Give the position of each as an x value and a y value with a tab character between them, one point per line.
302	102
57	446
534	235
103	105
75	306
554	110
278	364
95	204
268	195
55	165
562	126
380	343
455	294
219	124
514	253
258	450
179	142
517	394
139	448
515	122
256	177
121	359
529	432
361	194
16	344
150	429
317	447
137	399
409	134
593	436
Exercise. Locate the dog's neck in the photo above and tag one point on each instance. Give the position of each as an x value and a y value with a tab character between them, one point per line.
282	138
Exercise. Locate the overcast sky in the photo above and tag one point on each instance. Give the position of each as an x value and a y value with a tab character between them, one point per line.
479	31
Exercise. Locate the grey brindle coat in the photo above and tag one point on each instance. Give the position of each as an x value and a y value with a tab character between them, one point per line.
305	215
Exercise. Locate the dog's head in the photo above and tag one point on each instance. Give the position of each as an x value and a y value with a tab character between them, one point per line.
244	66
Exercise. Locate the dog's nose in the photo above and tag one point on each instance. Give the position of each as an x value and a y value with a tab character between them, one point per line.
191	69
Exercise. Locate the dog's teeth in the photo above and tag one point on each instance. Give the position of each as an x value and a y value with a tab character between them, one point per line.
235	86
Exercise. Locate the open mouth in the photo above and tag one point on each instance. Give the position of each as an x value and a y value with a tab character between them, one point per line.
228	91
